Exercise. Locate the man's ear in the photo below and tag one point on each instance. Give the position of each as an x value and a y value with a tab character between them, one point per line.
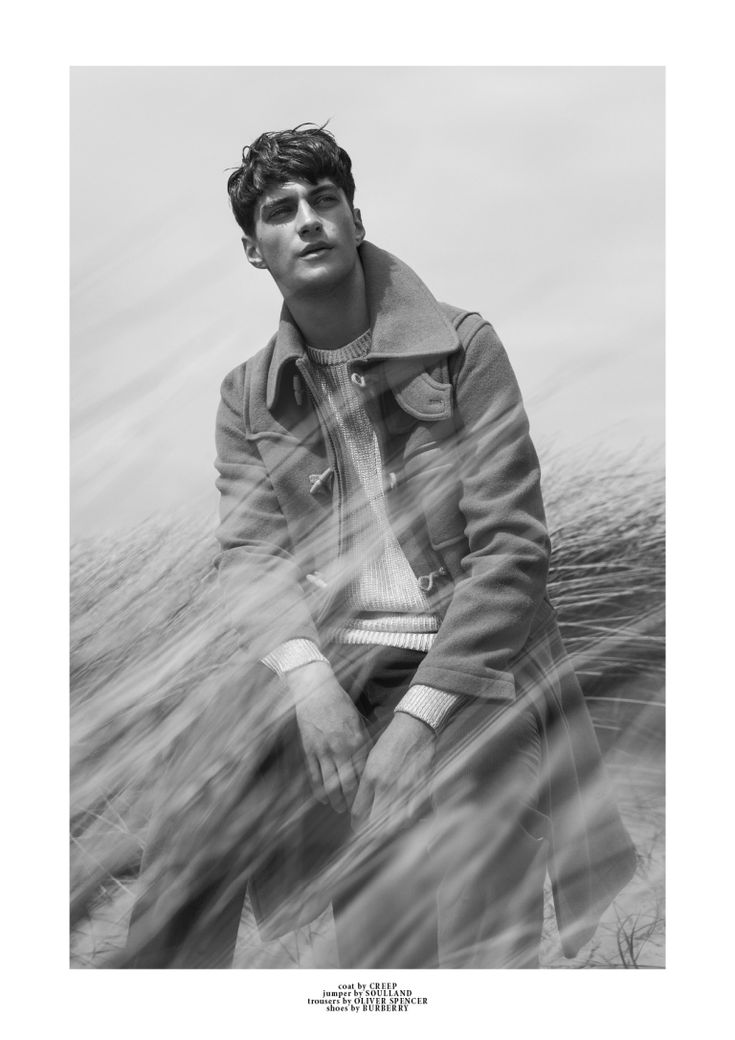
359	226
252	252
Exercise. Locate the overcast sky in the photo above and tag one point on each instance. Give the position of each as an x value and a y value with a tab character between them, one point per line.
533	195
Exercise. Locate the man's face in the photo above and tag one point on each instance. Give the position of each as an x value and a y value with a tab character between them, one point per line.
306	235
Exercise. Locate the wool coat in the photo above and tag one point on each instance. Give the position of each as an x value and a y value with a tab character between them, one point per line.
462	491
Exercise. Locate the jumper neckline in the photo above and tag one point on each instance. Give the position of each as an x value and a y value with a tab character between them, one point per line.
357	348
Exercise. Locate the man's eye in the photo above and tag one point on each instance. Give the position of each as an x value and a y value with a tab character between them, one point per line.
327	198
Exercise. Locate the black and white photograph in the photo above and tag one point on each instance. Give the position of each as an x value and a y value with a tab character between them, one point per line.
367	521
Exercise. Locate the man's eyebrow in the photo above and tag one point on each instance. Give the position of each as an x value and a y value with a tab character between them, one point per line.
287	196
271	201
326	185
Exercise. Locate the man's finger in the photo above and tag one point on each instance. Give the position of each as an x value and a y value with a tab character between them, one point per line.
419	803
383	809
362	804
390	809
315	779
331	784
349	780
359	756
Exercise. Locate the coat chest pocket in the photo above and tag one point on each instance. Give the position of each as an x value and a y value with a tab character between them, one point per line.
416	400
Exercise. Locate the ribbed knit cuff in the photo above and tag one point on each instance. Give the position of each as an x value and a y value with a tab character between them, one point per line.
293	654
434	707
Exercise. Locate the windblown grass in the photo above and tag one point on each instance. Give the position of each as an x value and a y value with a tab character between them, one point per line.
150	642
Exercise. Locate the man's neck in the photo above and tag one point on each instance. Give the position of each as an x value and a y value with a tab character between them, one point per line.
335	317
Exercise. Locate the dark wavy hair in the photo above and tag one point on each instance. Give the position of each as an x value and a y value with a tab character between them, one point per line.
307	153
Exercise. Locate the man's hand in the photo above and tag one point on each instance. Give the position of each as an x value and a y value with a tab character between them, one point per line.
332	734
396	775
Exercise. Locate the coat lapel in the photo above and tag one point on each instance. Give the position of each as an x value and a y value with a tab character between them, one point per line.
409	331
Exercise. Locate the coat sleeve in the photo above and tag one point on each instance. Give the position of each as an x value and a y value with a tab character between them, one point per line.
502	576
257	570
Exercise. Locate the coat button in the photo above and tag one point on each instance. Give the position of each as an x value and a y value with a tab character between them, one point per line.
358	379
321	481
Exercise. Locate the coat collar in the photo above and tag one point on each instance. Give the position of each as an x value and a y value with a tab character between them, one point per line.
405	319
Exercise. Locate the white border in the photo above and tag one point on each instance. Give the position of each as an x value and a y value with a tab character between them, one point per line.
45	40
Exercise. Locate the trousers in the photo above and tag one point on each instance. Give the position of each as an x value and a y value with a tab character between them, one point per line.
462	886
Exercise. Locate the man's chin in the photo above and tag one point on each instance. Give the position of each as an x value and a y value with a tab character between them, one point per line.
320	279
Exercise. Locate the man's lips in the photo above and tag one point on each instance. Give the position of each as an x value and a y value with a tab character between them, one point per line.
316	247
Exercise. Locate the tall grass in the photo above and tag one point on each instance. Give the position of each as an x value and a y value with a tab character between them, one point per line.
150	644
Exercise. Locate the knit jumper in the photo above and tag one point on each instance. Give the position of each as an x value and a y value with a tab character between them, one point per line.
378	601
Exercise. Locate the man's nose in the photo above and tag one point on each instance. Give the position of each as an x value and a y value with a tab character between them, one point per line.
306	218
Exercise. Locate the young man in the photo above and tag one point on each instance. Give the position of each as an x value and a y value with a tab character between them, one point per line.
384	555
